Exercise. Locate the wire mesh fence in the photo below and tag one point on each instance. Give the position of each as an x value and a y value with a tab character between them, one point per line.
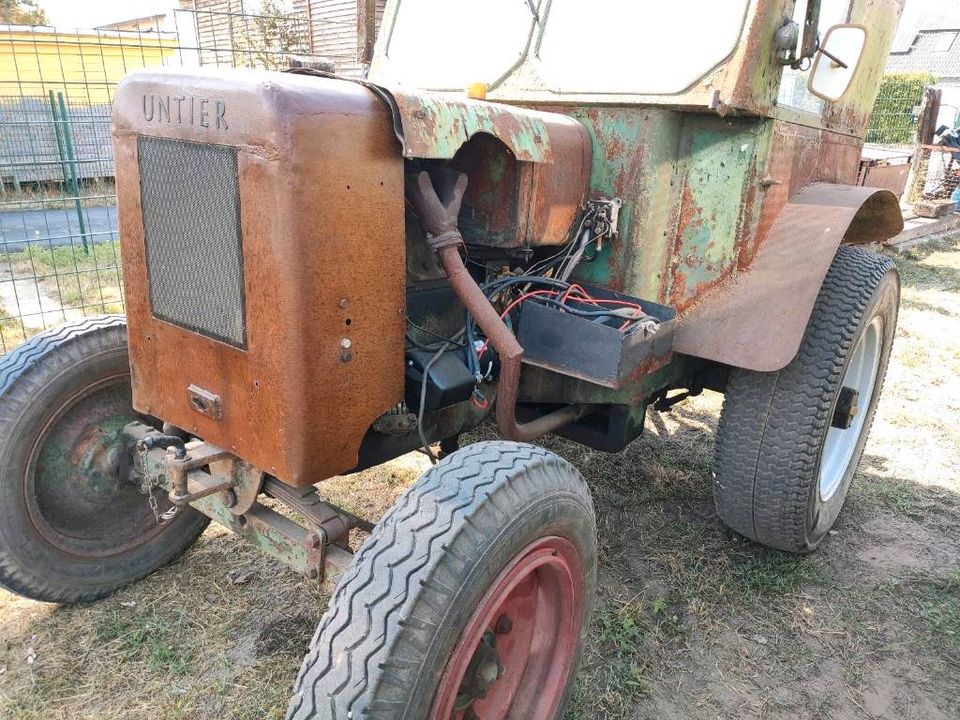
59	249
937	175
894	119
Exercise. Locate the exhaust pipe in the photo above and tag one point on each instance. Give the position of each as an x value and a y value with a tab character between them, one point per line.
438	207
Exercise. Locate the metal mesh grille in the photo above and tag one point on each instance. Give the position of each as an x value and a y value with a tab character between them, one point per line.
191	217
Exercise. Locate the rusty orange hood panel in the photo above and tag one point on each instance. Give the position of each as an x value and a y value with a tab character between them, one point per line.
316	190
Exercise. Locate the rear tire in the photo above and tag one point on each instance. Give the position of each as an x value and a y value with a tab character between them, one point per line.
422	598
782	471
73	527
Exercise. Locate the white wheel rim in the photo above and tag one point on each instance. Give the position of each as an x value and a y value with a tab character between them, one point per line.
841	443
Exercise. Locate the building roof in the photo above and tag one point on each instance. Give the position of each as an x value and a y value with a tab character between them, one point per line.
935	51
121	24
921	15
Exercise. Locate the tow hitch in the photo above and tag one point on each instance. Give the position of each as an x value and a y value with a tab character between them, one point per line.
227	490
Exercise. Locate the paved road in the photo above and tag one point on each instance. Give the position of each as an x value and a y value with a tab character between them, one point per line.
55	227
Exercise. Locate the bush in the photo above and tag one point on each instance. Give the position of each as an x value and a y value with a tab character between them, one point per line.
894	113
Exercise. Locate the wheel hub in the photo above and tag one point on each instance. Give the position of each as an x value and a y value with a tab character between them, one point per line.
484	670
80	496
516	652
847	408
848	422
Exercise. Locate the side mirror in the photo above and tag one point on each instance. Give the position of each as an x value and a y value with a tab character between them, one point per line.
837	60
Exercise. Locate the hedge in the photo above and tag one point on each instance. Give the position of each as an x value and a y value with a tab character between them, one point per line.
893	119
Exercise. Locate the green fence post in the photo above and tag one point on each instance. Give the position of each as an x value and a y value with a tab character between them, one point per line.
56	134
72	164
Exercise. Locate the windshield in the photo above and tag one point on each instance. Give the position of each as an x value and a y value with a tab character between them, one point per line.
611	46
449	44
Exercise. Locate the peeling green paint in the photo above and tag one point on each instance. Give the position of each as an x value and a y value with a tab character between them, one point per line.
720	162
261	528
436	126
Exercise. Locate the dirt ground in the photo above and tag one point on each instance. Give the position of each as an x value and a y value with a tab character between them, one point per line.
691	622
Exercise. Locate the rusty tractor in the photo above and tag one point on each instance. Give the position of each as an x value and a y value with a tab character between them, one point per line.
546	213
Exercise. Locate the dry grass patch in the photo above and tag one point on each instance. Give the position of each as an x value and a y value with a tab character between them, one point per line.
691	622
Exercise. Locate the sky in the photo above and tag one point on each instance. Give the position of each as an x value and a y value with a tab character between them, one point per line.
76	13
91	13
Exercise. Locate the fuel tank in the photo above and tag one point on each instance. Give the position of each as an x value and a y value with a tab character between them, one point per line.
262	233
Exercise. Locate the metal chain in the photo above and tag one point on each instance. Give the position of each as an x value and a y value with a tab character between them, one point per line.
150	482
164	517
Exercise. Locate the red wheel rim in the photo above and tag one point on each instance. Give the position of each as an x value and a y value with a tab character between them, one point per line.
516	652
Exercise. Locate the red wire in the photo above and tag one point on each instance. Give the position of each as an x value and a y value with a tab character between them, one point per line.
511	306
586	297
581	295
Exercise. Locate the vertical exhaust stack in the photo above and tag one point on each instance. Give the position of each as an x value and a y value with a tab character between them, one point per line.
438	207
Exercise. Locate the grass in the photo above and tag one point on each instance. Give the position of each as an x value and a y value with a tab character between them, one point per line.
160	644
82	283
79	279
691	621
52	196
11	331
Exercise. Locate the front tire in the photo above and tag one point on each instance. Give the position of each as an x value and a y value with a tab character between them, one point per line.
783	464
73	527
470	599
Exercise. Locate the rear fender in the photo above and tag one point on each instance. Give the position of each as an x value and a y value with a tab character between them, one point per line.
757	318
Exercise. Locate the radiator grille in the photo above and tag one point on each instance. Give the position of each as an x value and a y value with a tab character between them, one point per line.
190	196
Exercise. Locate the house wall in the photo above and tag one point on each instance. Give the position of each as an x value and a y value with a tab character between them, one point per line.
333	31
84	65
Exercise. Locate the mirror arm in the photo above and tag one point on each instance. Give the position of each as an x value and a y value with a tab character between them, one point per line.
833	57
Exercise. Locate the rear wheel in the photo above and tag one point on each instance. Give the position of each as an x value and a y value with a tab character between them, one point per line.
789	442
470	600
74	525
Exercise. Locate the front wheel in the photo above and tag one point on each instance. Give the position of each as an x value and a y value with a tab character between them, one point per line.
789	442
74	524
470	599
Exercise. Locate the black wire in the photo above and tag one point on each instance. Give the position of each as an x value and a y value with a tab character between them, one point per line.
455	340
423	402
421	346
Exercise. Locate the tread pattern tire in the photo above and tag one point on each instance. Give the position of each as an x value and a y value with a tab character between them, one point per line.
399	608
773	425
27	567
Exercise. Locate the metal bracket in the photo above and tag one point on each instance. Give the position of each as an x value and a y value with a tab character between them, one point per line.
205	402
279	537
225	488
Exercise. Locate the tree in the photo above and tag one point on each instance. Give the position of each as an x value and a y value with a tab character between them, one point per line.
275	33
22	12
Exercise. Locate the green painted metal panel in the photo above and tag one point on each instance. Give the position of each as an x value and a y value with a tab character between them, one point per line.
719	167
